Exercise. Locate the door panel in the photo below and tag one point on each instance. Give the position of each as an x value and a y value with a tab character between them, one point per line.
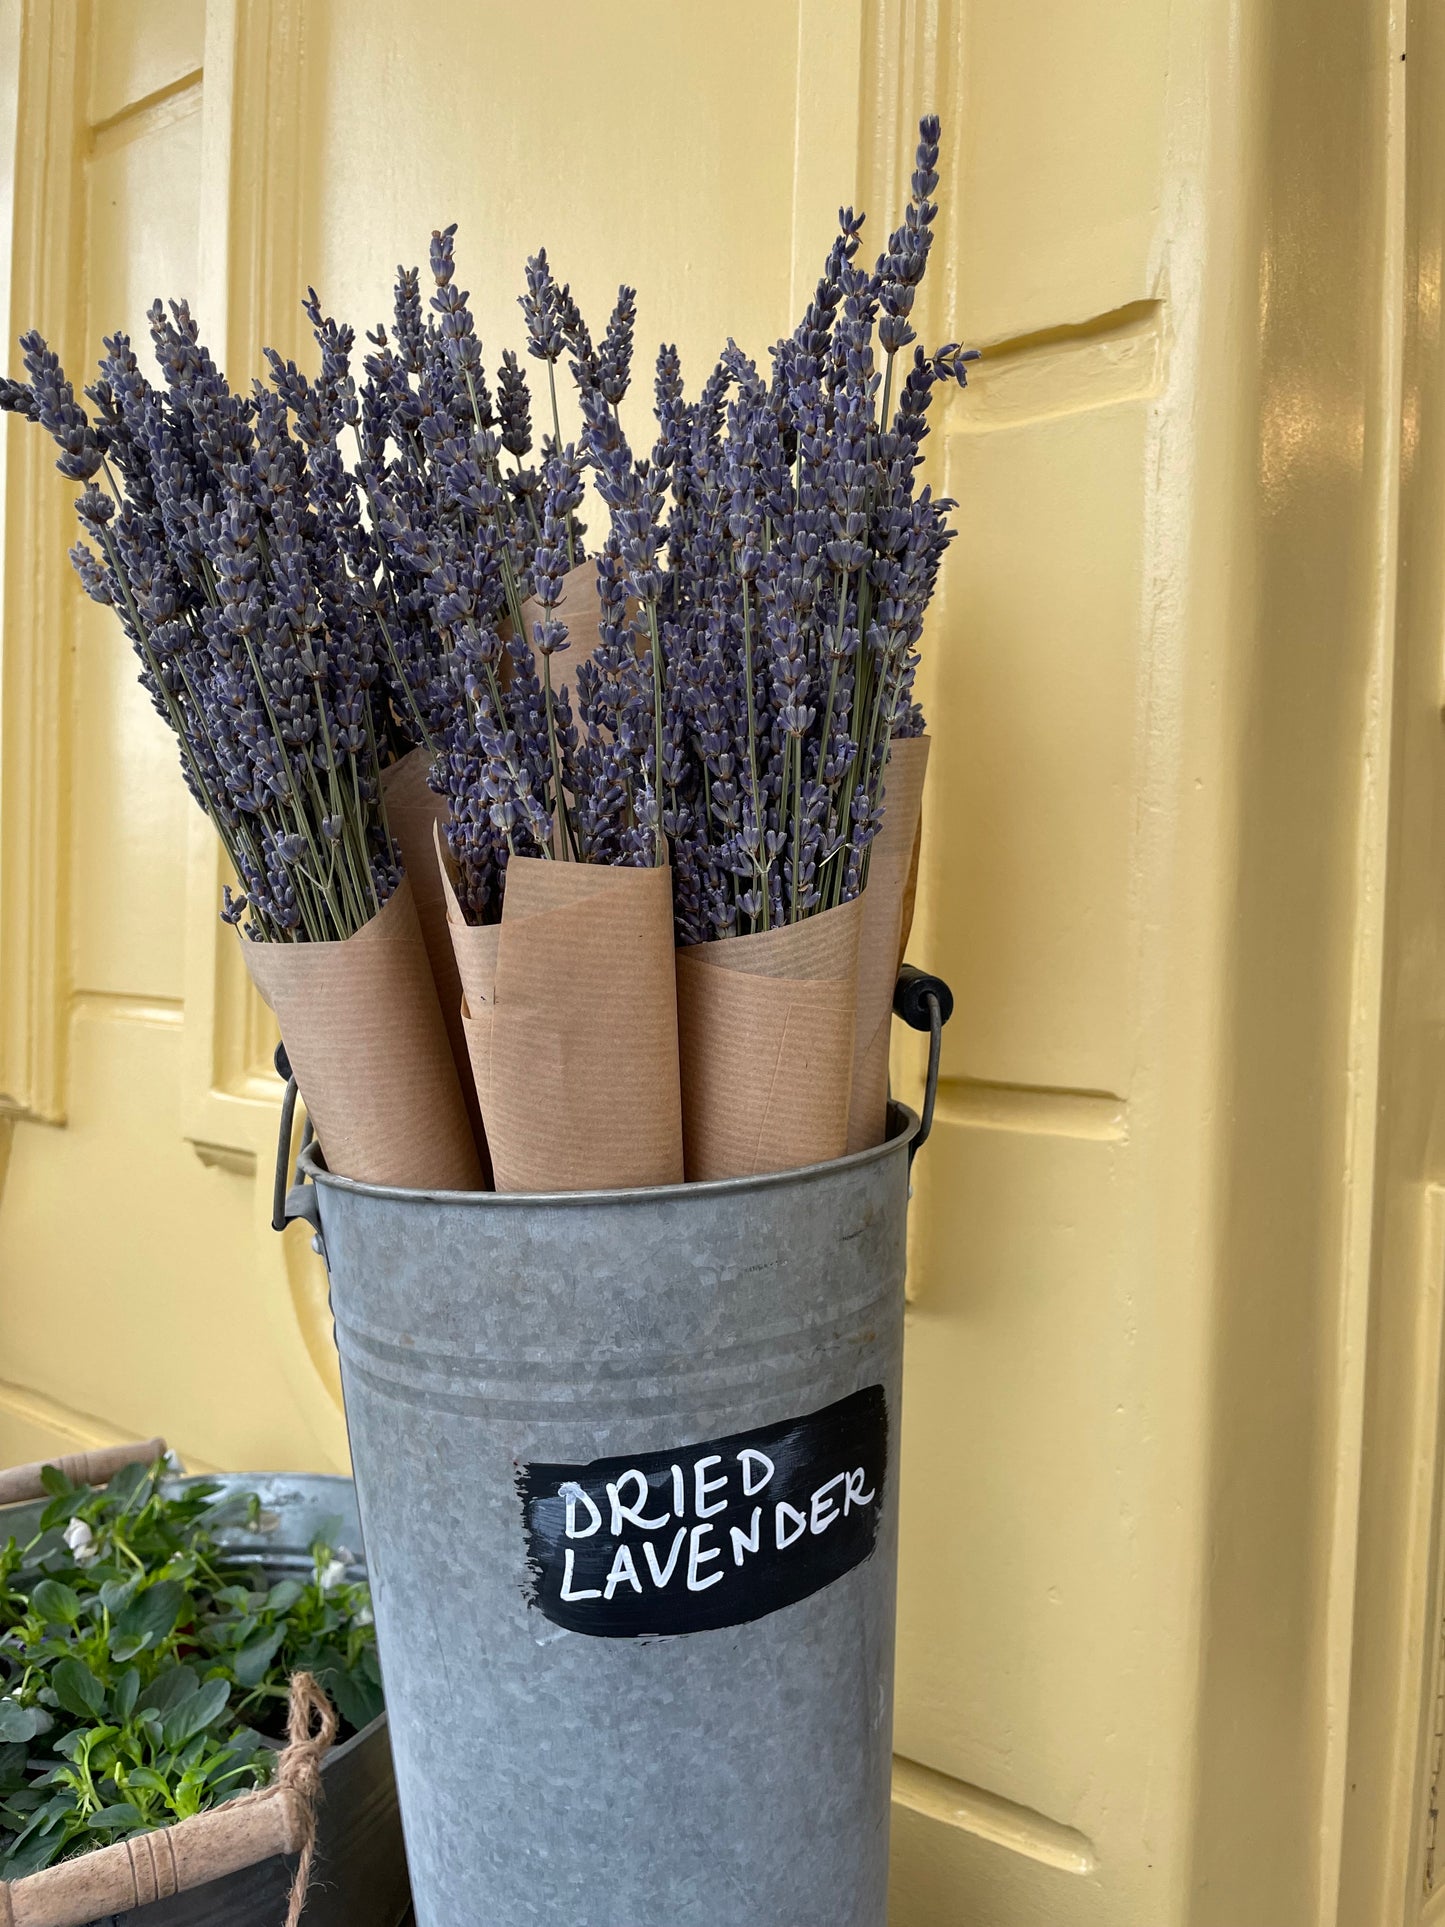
142	181
141	1289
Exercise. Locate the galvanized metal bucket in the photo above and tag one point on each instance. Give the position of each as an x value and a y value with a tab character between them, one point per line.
359	1877
627	1469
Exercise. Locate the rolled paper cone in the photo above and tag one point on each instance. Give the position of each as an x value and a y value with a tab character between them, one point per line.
81	1468
414	814
580	608
154	1866
910	893
475	949
887	902
363	1030
765	1027
571	1018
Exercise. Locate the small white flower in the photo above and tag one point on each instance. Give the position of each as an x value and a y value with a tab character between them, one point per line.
331	1575
365	1617
81	1540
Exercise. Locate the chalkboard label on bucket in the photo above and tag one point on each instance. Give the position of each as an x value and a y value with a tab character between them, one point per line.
707	1535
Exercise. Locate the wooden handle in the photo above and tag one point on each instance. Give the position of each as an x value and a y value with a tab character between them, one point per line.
81	1468
153	1866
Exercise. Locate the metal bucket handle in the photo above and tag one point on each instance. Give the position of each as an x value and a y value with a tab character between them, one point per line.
923	1002
298	1199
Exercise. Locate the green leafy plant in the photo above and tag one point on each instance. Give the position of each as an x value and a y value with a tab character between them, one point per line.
145	1665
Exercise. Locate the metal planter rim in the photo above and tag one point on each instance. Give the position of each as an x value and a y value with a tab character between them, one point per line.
903	1122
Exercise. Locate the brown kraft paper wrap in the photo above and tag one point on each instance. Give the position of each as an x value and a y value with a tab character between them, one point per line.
363	1030
571	1020
887	910
766	1036
414	812
279	1818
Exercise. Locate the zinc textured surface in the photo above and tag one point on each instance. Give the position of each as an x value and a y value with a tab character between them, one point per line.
736	1777
1169	1604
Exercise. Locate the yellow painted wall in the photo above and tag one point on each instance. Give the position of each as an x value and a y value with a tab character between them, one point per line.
1169	1606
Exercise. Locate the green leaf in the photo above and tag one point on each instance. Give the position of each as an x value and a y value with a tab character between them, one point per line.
123	1815
58	1807
195	1714
56	1603
323	1546
356	1699
168	1689
37	1853
237	1632
245	1744
19	1722
55	1482
229	1770
148	1780
55	1514
255	1656
124	1693
230	1510
148	1618
116	1594
284	1594
77	1688
127	1482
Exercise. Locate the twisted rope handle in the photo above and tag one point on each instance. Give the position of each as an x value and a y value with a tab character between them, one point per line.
311	1726
299	1771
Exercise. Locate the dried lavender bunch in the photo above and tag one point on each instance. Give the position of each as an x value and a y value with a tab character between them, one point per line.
532	760
430	445
227	541
799	558
528	772
466	535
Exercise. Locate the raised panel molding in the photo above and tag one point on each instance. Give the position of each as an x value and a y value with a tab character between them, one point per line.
250	274
38	606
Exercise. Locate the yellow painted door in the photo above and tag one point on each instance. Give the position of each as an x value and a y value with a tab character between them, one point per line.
1158	822
140	1285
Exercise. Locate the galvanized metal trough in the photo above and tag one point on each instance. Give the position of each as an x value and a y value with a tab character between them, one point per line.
360	1867
627	1471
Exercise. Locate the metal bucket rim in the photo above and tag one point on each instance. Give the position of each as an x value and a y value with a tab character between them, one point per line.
903	1120
247	1481
228	1481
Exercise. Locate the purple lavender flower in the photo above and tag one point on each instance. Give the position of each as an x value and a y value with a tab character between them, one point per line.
234	556
53	404
800	561
614	359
